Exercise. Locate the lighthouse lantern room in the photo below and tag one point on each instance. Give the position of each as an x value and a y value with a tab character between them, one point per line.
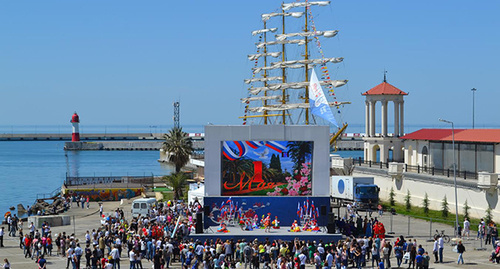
75	121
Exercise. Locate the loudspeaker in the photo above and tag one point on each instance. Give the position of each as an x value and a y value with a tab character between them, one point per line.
322	210
330	228
206	210
199	223
331	217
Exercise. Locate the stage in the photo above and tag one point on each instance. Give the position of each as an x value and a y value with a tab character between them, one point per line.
236	233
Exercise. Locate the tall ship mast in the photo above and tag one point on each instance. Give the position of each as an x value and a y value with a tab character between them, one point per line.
284	69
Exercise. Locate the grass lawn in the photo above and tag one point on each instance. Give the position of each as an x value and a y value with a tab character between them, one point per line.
435	215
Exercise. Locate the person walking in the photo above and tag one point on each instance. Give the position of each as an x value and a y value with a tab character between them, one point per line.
460	251
466	228
2	233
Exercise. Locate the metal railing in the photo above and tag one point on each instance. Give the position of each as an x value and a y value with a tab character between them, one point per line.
419	169
108	180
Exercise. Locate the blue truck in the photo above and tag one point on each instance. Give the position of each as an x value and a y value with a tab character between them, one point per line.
359	190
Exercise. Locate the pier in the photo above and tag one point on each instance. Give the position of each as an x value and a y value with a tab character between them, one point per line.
83	137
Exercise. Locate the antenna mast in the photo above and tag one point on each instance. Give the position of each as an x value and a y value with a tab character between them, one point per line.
177	117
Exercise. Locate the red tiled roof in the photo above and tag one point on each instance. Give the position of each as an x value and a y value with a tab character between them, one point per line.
477	135
461	135
431	134
384	88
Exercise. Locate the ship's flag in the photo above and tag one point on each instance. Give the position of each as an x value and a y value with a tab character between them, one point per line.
319	104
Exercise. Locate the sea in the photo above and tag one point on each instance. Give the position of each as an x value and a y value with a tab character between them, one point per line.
32	169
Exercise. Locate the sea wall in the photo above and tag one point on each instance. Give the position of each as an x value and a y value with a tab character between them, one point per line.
114	145
106	194
436	188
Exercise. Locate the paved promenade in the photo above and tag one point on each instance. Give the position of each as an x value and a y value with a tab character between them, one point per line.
88	219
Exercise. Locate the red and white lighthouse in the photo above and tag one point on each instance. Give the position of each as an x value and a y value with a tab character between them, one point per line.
75	121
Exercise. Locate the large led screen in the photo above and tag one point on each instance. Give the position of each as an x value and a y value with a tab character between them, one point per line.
266	168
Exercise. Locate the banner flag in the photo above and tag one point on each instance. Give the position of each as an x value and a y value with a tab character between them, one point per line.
319	104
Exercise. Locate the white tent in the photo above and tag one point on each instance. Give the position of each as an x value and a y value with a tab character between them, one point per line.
197	194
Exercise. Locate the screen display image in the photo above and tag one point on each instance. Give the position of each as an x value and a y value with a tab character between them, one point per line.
266	168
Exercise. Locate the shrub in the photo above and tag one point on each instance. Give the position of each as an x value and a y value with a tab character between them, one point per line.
488	217
466	210
445	210
425	203
392	200
408	201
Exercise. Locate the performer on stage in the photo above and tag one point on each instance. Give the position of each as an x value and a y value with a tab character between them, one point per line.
222	228
276	223
295	227
267	223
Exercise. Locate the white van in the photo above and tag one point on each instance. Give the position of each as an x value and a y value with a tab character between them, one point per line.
142	206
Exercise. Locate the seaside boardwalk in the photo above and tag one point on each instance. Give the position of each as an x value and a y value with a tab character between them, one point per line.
88	219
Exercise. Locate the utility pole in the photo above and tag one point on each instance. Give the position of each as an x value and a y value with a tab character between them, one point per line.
473	101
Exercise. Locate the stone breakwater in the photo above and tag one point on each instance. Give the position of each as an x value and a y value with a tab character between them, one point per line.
115	145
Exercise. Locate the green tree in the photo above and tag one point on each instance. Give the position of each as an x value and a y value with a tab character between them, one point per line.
299	152
177	181
178	147
392	195
275	162
445	210
466	210
425	203
489	216
408	201
233	170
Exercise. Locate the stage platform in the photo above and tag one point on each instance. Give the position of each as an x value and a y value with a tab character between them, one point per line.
260	234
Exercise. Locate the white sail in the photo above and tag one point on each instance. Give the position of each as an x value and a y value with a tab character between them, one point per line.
330	33
266	17
289	6
295	66
260	98
296	85
253	57
256	32
281	107
248	81
310	62
270	43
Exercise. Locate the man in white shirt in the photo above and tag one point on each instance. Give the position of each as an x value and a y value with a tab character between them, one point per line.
466	228
441	247
302	259
435	250
132	258
115	255
329	259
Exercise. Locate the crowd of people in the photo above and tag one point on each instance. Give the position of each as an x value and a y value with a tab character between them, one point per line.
155	238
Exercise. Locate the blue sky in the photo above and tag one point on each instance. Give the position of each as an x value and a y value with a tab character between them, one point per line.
125	62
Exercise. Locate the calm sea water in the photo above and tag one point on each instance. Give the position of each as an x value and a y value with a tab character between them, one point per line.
28	168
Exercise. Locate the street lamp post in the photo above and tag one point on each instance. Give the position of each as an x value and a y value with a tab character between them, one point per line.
473	103
454	172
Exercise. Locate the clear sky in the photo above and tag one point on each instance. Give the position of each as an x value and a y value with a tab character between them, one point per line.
126	62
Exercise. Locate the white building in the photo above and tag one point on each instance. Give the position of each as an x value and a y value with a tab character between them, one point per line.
477	150
382	143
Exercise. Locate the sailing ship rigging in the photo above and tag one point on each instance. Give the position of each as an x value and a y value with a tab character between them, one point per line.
279	89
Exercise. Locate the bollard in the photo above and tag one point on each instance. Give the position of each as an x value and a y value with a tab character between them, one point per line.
391	232
433	170
430	230
408	225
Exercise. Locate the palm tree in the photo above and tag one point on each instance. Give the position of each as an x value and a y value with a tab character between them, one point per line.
232	170
176	181
299	151
178	145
